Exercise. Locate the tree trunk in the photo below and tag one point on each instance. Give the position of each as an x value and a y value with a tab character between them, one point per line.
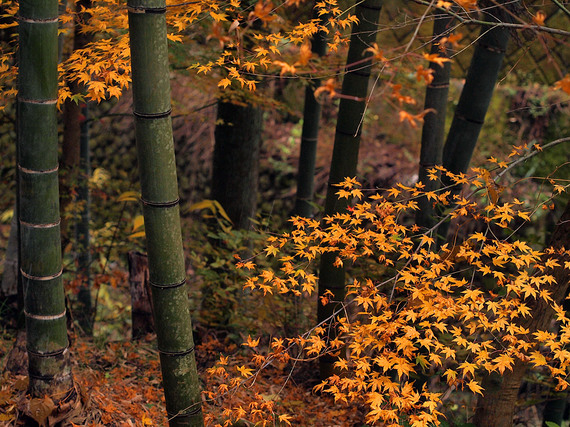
77	164
433	130
309	137
476	94
41	264
9	287
141	307
497	405
235	169
159	194
475	99
345	150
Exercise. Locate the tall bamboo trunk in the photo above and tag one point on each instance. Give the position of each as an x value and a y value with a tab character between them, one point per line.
497	405
475	98
309	137
433	131
476	94
235	168
345	150
41	266
159	193
76	161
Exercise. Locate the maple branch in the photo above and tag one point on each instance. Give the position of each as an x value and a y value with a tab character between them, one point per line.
463	20
561	7
531	154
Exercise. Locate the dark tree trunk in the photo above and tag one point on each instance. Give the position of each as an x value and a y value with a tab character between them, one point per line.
236	160
309	137
433	131
475	99
476	94
77	166
141	307
345	150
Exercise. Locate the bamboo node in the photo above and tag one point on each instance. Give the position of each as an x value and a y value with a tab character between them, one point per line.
54	353
176	353
142	9
41	278
161	204
168	285
153	115
189	413
48	317
44	225
33	172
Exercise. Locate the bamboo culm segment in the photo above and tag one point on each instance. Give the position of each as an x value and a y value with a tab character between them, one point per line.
159	193
38	202
309	136
433	130
473	102
475	97
346	146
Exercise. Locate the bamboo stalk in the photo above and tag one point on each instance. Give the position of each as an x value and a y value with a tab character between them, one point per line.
39	221
433	131
309	136
159	192
345	150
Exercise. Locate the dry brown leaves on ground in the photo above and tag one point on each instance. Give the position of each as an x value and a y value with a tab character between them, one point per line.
120	385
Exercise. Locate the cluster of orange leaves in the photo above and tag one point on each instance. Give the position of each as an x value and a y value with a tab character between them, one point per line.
415	309
103	67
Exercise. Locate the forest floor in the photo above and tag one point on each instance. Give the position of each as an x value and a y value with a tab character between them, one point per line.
119	385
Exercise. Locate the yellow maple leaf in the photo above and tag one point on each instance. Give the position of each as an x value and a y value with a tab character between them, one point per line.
224	83
475	387
436	59
285	419
245	372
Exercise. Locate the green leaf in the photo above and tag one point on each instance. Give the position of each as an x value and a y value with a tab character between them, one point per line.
551	424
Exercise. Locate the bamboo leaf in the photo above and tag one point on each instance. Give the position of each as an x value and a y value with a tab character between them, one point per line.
129	196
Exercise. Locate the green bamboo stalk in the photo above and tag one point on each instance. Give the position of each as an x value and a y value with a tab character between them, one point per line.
476	94
475	98
235	166
309	136
159	193
433	131
38	210
346	145
86	317
76	162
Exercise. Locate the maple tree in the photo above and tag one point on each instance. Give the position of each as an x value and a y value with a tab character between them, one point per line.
405	297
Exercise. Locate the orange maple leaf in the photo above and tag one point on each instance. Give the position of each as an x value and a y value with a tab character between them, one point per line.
563	84
436	59
539	18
